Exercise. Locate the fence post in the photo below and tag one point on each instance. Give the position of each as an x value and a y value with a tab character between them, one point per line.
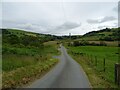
91	60
88	59
95	61
104	64
117	74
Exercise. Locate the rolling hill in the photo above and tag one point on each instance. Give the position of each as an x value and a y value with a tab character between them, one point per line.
103	35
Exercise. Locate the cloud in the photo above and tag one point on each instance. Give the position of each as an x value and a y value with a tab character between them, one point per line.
92	21
40	28
28	26
108	18
115	9
115	25
32	27
101	20
67	26
24	25
102	27
49	17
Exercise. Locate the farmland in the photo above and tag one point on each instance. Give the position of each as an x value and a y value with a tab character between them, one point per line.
97	52
93	57
27	56
89	54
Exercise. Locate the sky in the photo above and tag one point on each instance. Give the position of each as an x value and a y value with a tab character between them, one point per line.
59	18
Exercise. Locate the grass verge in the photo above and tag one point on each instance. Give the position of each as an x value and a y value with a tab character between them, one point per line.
24	75
23	65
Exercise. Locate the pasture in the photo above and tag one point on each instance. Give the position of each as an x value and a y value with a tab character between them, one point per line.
89	54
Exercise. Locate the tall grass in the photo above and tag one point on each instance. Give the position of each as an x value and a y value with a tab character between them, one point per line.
24	75
24	64
16	57
12	61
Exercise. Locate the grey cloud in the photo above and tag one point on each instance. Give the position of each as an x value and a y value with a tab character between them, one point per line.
67	26
115	9
24	25
47	17
33	27
102	27
91	21
102	20
108	18
108	26
28	26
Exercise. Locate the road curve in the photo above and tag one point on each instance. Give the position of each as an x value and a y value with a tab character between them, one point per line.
66	74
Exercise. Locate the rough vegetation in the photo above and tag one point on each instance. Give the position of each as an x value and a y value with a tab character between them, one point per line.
25	56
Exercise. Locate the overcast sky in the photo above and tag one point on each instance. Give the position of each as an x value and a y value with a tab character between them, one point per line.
59	18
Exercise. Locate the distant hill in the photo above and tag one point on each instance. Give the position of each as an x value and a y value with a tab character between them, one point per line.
104	34
22	33
100	35
19	32
19	38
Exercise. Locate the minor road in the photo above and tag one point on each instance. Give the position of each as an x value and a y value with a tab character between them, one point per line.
66	74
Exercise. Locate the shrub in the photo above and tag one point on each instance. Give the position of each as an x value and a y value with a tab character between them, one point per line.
102	43
76	43
84	43
94	44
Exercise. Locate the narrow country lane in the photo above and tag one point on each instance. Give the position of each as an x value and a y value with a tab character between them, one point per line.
66	74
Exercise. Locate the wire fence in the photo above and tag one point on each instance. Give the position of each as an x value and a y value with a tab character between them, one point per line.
102	65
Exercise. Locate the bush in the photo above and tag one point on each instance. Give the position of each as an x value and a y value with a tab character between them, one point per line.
94	44
68	44
102	43
118	45
108	38
84	43
76	43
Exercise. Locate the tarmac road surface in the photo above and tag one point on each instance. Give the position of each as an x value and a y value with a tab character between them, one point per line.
66	74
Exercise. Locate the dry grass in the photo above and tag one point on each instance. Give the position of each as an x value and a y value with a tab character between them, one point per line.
24	75
109	43
50	43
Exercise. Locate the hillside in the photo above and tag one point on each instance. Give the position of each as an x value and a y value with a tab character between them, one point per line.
21	33
103	35
25	57
100	35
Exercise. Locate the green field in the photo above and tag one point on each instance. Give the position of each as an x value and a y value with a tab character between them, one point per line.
90	53
104	35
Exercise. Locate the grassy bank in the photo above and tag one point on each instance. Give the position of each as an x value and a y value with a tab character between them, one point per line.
87	55
24	75
22	65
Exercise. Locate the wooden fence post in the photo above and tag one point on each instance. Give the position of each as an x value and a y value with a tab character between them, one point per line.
95	61
117	74
104	64
91	60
